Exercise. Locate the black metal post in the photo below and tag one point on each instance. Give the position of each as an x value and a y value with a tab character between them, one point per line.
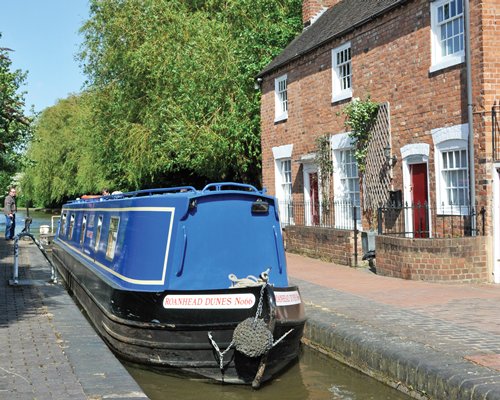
354	217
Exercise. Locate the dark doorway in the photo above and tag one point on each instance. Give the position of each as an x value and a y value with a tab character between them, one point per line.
313	187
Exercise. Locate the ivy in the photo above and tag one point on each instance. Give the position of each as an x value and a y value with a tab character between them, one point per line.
361	116
325	168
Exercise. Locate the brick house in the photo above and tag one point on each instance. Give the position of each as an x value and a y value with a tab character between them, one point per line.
431	185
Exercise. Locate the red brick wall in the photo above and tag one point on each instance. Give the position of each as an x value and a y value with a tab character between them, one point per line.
440	260
329	244
391	57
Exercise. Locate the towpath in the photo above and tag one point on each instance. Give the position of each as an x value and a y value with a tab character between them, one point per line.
440	341
48	350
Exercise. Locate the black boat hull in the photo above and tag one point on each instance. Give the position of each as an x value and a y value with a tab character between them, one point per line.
138	328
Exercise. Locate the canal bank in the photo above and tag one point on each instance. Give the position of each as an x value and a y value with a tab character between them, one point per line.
48	349
430	340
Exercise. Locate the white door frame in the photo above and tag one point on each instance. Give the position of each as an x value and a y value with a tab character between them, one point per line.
495	173
414	154
309	168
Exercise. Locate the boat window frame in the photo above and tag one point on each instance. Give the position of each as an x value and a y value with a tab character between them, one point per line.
83	229
71	228
64	218
100	220
112	237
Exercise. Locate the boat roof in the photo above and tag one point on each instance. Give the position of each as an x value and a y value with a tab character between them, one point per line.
188	191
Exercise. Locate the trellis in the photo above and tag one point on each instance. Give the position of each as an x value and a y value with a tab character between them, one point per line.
378	174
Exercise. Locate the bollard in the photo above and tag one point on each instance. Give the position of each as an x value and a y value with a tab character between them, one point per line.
15	271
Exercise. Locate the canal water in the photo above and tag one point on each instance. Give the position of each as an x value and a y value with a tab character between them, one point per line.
38	218
314	377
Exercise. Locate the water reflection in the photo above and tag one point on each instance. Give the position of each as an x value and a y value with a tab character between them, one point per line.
315	377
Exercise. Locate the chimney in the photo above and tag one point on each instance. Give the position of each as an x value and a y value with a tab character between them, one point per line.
312	9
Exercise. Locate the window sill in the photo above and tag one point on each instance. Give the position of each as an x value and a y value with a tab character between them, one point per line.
342	96
450	62
453	211
281	118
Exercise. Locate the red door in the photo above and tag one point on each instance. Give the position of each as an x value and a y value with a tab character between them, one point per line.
313	187
418	173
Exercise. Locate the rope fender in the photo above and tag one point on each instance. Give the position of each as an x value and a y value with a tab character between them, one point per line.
252	336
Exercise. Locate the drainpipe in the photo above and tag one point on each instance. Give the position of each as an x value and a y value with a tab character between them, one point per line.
470	115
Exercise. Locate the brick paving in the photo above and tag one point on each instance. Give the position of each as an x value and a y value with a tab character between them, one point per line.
440	341
48	350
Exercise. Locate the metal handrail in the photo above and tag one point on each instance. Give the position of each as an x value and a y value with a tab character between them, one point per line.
15	268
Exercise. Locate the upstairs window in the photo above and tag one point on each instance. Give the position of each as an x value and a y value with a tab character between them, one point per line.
281	98
341	73
447	23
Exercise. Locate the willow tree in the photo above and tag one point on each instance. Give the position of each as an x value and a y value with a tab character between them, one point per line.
14	125
61	157
174	85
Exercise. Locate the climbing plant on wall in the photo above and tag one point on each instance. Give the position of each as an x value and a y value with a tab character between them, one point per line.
361	115
325	168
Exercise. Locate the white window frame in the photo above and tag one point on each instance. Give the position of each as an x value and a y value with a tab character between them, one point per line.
342	79
438	60
281	98
340	144
446	140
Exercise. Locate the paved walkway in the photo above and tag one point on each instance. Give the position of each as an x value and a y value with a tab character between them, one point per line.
48	350
440	341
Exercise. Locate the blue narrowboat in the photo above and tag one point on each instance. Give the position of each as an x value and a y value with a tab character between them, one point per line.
187	279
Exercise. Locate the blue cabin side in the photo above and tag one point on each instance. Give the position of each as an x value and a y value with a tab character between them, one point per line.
180	240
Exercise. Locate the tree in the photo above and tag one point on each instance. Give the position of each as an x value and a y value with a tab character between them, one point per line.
14	125
175	85
61	163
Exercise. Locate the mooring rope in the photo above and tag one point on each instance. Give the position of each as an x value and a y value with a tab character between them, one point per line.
252	337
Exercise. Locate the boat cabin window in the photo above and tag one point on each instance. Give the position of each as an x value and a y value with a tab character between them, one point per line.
112	237
63	225
71	226
98	233
84	228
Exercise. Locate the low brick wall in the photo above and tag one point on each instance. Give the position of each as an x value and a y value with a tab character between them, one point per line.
440	260
328	244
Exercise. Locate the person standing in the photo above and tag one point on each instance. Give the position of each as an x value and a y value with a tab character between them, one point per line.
9	210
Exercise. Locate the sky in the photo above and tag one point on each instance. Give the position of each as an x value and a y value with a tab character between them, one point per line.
43	35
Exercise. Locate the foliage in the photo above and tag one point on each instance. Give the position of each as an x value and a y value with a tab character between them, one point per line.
325	167
14	125
361	115
170	97
172	86
61	163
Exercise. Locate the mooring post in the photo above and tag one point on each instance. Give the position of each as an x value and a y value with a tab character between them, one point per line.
15	268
